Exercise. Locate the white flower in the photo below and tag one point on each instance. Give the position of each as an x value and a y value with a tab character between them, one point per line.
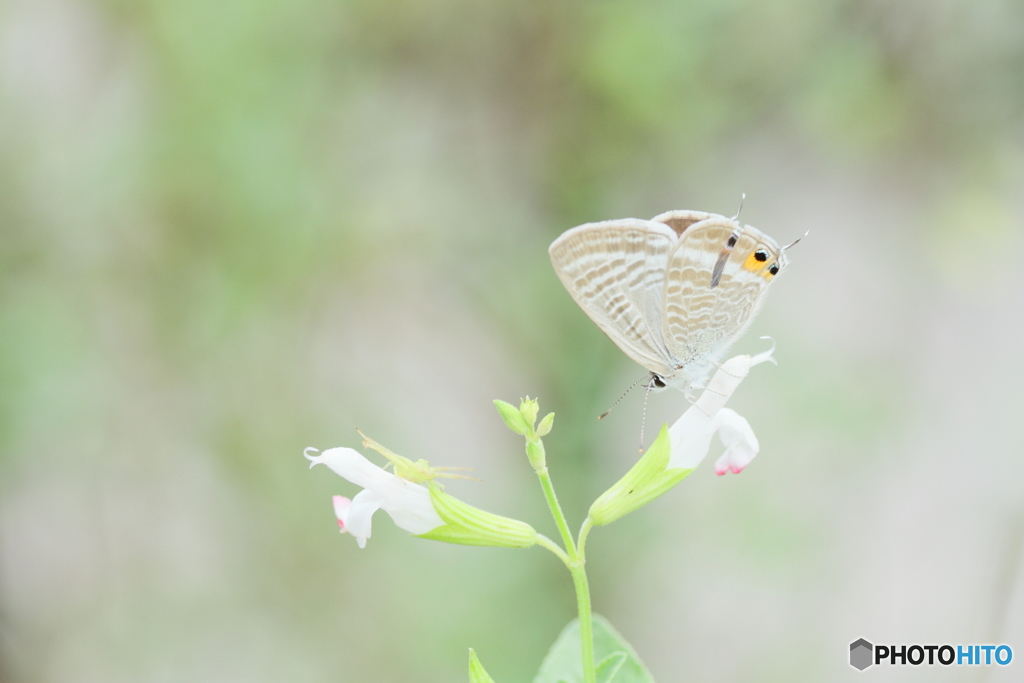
738	438
407	503
691	435
341	506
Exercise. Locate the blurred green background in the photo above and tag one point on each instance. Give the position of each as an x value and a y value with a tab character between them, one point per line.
230	230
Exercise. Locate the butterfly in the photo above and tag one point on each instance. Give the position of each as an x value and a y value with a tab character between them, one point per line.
673	292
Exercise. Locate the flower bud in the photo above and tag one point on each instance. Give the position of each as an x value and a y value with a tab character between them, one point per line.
544	428
513	418
529	408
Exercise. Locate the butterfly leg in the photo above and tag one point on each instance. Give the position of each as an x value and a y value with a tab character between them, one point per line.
722	369
696	405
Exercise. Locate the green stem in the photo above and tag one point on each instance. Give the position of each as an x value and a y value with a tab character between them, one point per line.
556	511
581	544
546	542
575	562
579	579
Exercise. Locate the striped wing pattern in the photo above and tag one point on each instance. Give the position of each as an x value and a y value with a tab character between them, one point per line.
615	271
649	285
701	320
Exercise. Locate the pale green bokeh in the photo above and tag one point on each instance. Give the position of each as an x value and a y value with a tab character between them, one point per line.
232	230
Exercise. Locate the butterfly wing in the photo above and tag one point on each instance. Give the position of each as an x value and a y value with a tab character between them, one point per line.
680	220
714	286
615	271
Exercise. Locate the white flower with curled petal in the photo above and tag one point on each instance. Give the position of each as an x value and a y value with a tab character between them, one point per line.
691	434
408	503
680	449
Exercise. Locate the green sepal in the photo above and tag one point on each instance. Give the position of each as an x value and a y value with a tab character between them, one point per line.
514	419
648	479
467	525
477	674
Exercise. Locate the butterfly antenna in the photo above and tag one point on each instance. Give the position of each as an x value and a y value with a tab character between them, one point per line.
743	195
796	240
643	417
605	413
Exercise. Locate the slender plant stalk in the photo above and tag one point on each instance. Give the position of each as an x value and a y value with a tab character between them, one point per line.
556	511
575	563
581	543
579	579
546	542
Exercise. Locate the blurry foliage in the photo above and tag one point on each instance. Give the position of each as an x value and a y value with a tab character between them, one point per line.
189	189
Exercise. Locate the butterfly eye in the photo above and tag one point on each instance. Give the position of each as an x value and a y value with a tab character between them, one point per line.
657	382
761	255
732	241
773	268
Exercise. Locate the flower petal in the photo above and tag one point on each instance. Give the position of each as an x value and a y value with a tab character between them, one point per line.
360	515
691	434
341	506
738	438
408	504
412	509
352	465
690	437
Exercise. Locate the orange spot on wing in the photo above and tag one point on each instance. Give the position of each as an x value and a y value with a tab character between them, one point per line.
758	267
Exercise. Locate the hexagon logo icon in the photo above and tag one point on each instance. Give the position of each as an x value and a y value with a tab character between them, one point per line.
860	654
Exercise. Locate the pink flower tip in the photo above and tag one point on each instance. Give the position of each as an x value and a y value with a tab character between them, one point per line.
341	506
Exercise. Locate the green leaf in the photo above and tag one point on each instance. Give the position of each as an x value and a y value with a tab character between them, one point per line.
477	674
609	667
617	661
